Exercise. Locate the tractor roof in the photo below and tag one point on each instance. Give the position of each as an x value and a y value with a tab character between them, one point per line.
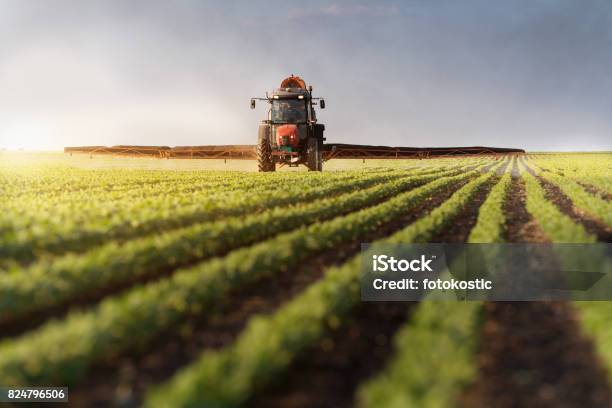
287	93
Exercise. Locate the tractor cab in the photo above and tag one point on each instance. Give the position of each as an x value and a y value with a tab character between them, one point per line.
289	109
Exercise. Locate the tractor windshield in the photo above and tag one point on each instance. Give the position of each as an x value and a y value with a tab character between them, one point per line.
289	110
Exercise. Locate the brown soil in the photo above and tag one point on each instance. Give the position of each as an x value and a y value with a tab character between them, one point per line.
124	379
520	225
534	355
502	169
488	167
458	229
596	191
515	168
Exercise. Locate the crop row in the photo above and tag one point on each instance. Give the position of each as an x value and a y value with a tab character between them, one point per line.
37	213
556	225
61	351
59	207
490	223
85	198
586	202
594	315
26	244
435	352
434	359
589	169
595	319
68	182
51	183
559	228
445	334
72	181
53	281
108	208
74	231
269	344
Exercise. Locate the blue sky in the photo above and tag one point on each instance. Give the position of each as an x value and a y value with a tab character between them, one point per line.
535	74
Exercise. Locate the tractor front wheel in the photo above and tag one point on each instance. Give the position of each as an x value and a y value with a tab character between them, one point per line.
314	159
265	161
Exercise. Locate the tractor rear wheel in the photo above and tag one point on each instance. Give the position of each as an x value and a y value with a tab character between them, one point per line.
314	159
265	161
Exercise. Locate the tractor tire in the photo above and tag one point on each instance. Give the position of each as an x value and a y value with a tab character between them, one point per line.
314	159
265	161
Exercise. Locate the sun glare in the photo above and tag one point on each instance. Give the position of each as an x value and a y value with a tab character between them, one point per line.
25	136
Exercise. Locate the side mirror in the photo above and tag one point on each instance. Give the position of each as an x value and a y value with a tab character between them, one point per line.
322	103
252	103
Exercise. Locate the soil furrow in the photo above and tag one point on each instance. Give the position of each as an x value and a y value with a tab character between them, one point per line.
508	162
520	225
328	374
458	229
533	354
515	169
596	191
124	379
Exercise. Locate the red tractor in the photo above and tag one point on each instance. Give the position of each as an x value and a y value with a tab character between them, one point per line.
291	135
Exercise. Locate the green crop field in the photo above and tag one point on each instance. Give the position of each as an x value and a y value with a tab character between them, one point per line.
171	283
